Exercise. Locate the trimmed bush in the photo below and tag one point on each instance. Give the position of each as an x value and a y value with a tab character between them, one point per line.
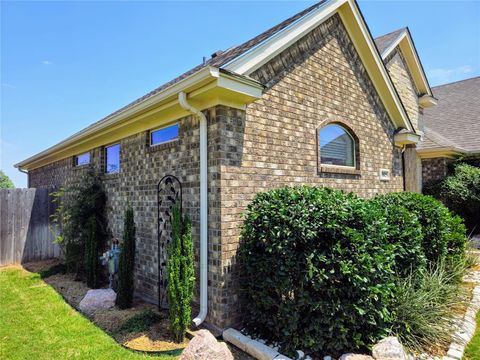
433	217
444	235
181	274
92	254
316	270
404	232
126	263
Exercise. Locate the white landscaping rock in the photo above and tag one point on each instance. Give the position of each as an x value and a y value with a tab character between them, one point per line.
351	356
204	346
389	349
97	299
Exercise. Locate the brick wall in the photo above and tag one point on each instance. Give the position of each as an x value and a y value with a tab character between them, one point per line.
142	167
270	144
274	143
434	169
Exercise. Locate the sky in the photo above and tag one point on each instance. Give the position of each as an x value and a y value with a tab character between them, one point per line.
65	65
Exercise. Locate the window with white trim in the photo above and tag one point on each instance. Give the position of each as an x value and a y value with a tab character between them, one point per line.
112	159
164	135
82	159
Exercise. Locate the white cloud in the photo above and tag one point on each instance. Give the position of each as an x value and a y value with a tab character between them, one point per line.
47	62
7	85
443	76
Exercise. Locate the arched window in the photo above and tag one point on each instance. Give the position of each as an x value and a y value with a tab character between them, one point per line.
337	146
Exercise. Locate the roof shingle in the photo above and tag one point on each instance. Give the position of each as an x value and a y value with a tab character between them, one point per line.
456	118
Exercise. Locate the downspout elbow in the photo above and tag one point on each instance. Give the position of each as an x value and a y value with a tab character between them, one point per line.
182	100
26	173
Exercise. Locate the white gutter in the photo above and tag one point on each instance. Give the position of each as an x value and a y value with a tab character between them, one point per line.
182	100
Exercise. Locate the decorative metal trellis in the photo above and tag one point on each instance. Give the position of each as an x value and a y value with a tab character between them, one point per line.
169	194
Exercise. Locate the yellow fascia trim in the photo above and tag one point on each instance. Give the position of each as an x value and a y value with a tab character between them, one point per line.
450	153
209	88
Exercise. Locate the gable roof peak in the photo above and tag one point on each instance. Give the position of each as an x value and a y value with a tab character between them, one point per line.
383	42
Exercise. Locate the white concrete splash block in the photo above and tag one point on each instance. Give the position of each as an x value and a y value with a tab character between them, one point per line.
252	347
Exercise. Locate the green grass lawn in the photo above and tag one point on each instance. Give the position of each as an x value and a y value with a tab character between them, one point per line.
473	349
36	323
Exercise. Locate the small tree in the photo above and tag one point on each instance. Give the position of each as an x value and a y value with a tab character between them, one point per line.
91	253
74	205
126	263
181	274
5	182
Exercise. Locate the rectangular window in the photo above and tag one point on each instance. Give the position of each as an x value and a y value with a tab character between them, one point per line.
82	159
112	159
164	135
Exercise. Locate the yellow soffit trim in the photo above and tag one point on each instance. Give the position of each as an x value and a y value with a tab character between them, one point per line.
248	62
208	88
447	152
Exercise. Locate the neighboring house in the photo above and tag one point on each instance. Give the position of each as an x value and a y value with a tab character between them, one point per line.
452	129
309	101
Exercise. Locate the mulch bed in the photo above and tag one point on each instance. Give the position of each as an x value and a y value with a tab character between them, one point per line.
155	339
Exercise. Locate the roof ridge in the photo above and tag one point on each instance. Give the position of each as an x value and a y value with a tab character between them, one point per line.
458	81
391	32
438	135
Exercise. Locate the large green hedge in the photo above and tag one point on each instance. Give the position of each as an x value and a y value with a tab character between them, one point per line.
319	268
404	232
316	269
443	234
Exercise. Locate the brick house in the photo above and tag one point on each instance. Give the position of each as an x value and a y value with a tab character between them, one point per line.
314	100
452	128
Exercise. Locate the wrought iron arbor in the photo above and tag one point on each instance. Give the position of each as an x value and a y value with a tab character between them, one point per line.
169	194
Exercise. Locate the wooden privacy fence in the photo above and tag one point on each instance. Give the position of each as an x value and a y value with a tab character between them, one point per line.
24	226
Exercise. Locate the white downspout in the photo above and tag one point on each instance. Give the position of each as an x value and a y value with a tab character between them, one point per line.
182	100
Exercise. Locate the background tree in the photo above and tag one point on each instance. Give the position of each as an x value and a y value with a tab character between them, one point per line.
5	182
126	263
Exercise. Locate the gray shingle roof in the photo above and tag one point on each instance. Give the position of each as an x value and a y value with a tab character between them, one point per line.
455	121
384	41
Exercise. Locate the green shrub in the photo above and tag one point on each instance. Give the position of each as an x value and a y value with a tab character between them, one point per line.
316	270
404	232
92	267
74	205
434	219
457	240
425	307
126	263
460	192
181	274
139	322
